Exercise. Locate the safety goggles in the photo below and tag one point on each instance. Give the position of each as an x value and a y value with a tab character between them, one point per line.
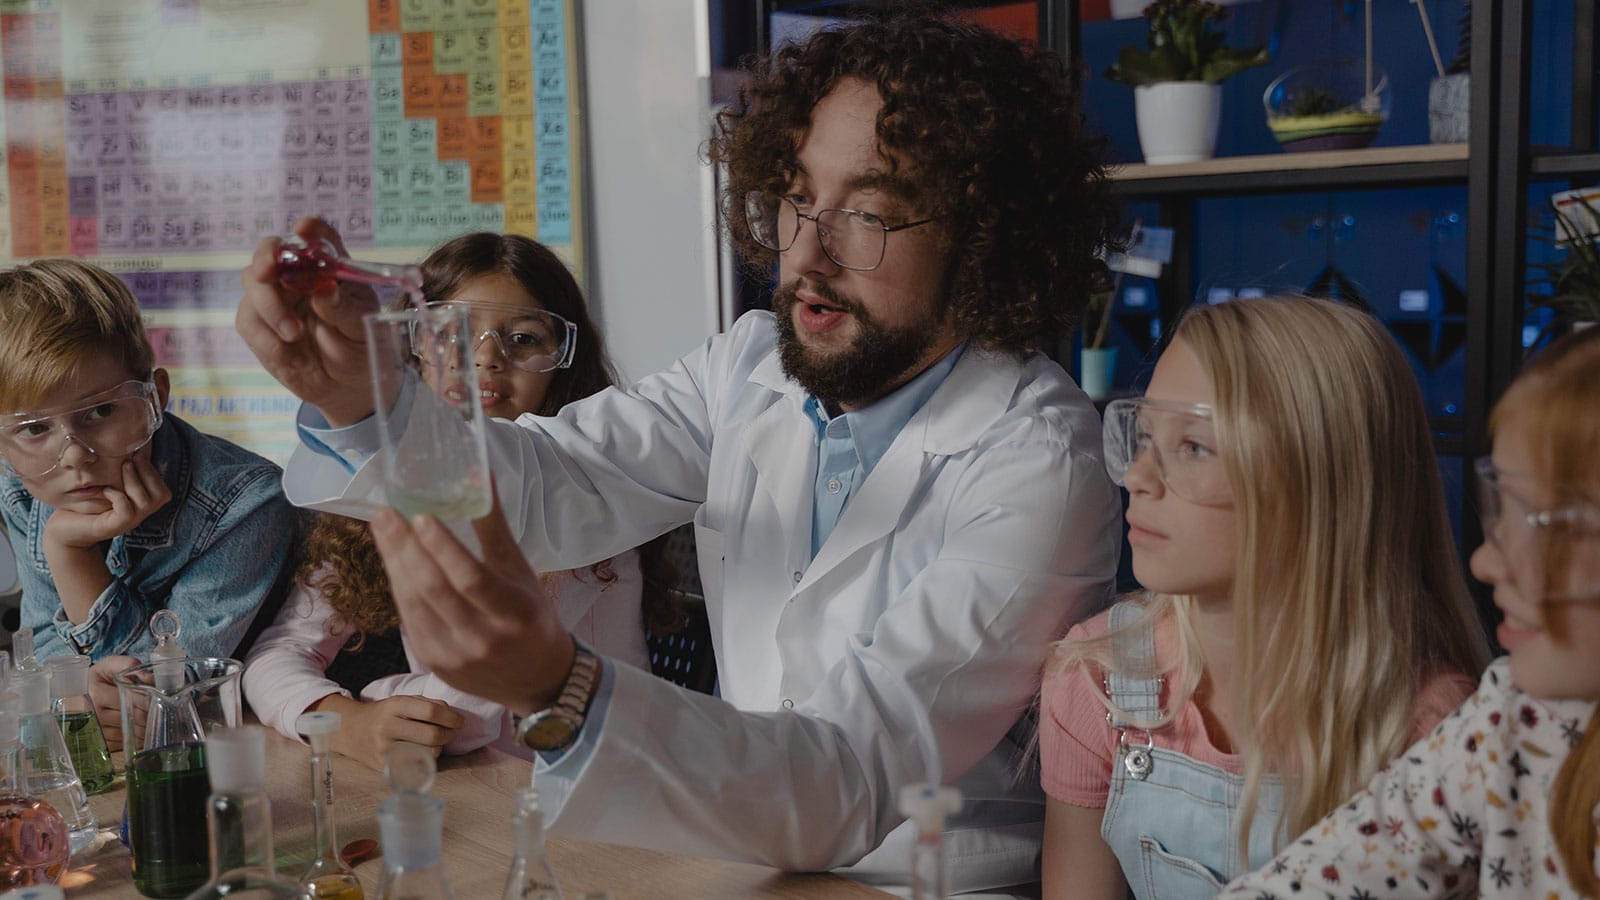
1551	555
529	339
1179	438
111	424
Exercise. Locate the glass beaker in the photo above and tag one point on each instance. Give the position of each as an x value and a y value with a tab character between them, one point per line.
167	708
439	464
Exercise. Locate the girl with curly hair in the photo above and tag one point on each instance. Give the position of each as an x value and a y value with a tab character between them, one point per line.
338	637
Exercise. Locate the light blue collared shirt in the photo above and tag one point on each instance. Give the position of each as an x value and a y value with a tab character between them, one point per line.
850	445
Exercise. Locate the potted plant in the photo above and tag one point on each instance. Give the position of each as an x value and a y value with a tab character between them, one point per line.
1177	80
1570	287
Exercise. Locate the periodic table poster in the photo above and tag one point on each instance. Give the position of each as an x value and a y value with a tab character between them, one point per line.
162	139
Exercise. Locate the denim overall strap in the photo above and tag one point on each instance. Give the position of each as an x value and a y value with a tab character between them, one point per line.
1136	702
1171	820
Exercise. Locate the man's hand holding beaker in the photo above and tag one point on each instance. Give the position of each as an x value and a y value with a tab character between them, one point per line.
487	627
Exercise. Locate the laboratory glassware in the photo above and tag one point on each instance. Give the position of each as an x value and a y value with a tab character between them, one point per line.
34	842
410	824
168	706
46	764
318	265
439	463
328	877
239	819
80	724
927	805
22	659
531	877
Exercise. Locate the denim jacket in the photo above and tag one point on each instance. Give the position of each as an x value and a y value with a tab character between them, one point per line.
220	554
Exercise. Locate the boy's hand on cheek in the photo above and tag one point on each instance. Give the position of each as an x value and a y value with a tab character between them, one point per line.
143	492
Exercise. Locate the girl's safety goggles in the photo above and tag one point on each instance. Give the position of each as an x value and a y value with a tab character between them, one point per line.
529	339
1551	555
1178	438
112	424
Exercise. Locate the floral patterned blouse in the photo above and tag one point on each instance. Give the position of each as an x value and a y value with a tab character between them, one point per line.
1465	811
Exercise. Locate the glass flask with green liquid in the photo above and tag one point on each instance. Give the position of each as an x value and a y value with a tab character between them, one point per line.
239	820
80	726
168	706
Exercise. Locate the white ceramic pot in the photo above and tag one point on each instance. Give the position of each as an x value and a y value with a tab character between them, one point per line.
1177	120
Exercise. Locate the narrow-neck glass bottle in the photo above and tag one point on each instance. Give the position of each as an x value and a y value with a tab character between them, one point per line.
239	819
328	877
411	825
80	725
34	842
531	877
927	805
46	766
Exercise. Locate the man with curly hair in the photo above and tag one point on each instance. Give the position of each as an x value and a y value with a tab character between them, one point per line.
898	501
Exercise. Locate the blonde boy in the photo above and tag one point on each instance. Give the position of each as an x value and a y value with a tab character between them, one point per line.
114	508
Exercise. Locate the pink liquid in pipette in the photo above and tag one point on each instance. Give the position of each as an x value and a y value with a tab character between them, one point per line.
315	266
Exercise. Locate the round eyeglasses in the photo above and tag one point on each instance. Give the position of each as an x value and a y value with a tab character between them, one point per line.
1551	555
529	339
851	238
1181	439
111	424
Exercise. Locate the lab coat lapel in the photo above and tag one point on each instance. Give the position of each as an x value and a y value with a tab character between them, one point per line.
781	443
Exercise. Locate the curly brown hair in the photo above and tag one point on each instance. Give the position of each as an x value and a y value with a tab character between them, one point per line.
993	141
341	561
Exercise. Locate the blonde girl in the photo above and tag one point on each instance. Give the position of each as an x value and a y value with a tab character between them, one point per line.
1304	617
1501	800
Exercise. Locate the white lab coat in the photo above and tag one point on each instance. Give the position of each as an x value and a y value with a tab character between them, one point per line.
985	530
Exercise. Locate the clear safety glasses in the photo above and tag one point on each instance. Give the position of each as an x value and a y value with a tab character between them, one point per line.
529	339
1551	555
1178	437
110	424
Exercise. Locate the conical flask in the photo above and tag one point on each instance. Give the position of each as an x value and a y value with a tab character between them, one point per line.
80	725
531	876
168	706
411	823
328	877
239	819
34	842
46	766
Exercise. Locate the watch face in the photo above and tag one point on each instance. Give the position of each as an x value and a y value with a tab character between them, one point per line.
547	732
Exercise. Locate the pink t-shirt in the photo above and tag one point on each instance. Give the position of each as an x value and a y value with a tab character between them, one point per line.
1077	746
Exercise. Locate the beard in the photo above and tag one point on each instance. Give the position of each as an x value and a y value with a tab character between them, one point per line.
860	373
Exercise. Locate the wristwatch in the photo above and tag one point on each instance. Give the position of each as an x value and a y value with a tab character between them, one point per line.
556	727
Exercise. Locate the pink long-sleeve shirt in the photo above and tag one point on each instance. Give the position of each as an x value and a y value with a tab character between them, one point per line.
285	672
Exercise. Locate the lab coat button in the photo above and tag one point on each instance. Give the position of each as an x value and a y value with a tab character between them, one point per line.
797	578
787	703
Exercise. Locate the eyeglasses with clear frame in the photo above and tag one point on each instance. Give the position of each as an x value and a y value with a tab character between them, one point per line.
111	424
851	238
1536	542
1182	440
528	338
